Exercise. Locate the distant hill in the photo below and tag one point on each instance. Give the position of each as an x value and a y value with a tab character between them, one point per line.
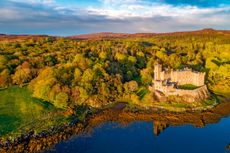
19	38
110	35
144	35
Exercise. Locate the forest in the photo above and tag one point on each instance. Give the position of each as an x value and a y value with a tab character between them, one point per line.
68	72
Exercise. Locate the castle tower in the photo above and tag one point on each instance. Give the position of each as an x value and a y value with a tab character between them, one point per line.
202	79
157	71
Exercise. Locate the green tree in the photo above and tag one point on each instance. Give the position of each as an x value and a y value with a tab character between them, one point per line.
61	100
23	74
131	86
41	87
3	61
87	76
4	78
77	74
146	76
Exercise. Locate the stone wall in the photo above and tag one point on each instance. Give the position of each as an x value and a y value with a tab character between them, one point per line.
165	75
188	77
158	85
198	94
181	77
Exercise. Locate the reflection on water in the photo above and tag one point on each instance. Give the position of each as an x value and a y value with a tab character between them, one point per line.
159	127
137	137
123	132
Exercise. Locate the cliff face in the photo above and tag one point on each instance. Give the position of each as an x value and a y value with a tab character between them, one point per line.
198	94
195	95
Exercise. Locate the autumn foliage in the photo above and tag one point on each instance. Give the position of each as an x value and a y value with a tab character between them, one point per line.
68	72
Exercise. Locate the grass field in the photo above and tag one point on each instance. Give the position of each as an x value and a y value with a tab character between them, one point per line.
20	112
142	92
187	87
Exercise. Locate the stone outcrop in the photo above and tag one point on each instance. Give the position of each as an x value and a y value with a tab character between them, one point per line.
198	94
33	143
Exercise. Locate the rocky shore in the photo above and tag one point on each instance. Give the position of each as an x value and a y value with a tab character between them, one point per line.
32	142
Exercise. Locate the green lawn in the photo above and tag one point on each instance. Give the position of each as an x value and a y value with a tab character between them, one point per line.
142	92
20	112
187	87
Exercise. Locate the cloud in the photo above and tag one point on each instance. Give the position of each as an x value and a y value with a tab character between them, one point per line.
138	8
45	2
48	16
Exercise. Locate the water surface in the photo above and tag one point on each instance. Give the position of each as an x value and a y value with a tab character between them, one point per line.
150	137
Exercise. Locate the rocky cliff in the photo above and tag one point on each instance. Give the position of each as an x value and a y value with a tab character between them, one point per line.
198	94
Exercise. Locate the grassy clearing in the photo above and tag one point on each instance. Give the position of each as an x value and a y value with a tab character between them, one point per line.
175	105
20	112
188	87
211	101
142	92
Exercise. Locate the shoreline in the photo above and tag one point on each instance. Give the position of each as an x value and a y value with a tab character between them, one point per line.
176	109
31	142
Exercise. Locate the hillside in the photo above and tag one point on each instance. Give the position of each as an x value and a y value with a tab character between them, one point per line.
19	38
68	72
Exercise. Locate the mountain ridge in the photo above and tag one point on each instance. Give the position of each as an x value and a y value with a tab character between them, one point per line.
102	35
107	35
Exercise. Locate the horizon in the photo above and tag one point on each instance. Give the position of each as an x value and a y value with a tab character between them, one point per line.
60	18
109	32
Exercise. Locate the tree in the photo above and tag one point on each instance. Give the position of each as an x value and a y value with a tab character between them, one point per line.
77	74
131	86
87	76
41	87
4	78
23	74
103	55
80	95
61	100
146	76
3	61
50	60
81	61
132	59
120	56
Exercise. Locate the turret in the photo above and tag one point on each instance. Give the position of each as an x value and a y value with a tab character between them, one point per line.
157	71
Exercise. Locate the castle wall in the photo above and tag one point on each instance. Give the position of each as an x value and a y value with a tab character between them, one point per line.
165	75
158	85
190	95
188	77
166	89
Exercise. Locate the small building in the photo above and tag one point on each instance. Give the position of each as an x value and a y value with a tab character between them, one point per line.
166	83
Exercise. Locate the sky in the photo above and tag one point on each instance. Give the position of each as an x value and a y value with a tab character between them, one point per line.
71	17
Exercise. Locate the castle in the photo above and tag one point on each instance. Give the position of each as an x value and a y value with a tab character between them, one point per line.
166	83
